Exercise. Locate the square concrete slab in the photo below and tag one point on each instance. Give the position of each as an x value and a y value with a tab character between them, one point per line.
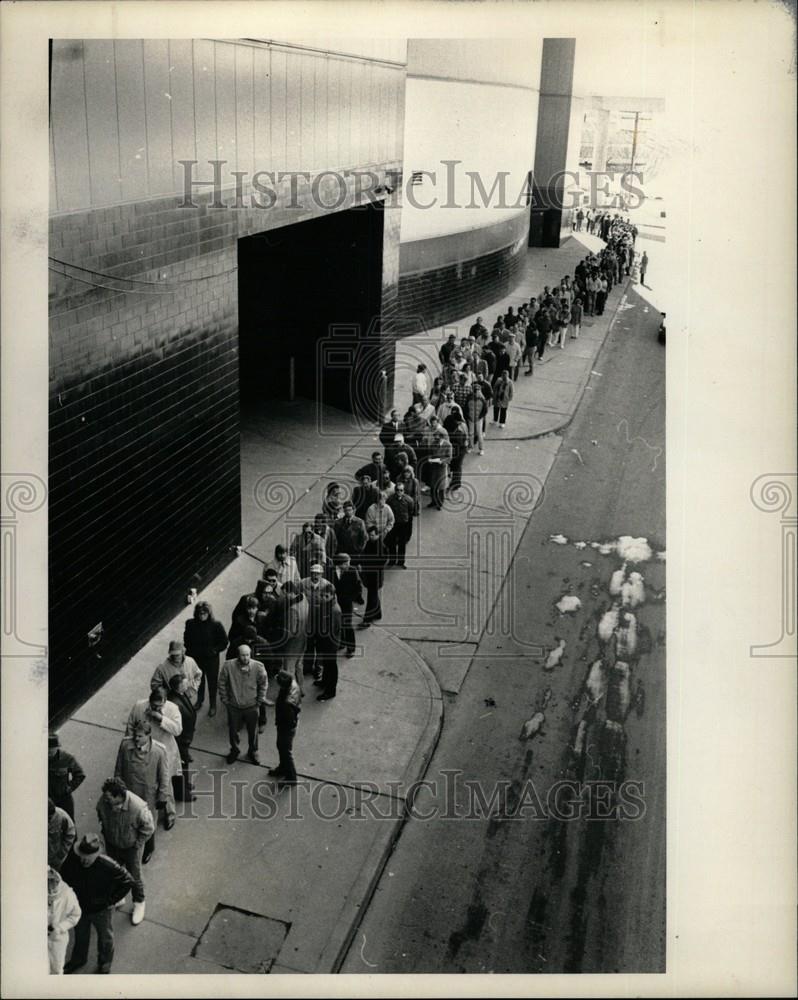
241	941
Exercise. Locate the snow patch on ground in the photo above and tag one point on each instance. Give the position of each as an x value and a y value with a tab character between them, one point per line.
568	603
580	545
634	549
558	539
608	624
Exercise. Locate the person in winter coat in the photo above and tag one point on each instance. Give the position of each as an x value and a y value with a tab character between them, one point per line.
348	591
99	883
404	510
60	835
178	663
292	649
307	548
458	438
440	455
475	410
502	396
179	697
64	775
142	764
63	913
204	639
350	533
286	717
166	724
372	572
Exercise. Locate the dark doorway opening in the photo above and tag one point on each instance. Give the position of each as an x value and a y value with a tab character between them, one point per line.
309	300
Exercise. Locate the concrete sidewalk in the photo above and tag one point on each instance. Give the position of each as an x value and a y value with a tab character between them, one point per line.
252	880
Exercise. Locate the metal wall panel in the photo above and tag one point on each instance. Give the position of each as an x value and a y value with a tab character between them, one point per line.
307	114
125	112
278	98
293	113
68	116
262	113
132	122
103	127
334	112
158	117
245	118
225	79
181	90
205	107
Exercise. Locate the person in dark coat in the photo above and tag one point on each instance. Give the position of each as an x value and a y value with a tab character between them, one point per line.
394	450
205	638
372	572
64	775
364	495
246	616
458	438
180	698
350	532
349	591
99	883
286	718
392	426
323	631
404	510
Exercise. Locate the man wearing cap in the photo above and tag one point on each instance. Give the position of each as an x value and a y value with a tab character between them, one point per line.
397	447
242	689
64	775
60	835
63	912
127	824
323	629
403	508
178	663
286	716
99	883
349	591
141	763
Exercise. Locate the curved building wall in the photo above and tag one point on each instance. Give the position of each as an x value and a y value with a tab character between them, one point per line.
471	111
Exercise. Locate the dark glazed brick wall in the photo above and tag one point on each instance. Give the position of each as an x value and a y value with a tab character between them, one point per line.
144	492
432	298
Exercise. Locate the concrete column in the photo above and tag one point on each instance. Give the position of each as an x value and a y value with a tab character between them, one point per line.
601	134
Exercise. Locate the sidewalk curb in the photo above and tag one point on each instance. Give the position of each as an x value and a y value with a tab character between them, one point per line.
556	428
368	878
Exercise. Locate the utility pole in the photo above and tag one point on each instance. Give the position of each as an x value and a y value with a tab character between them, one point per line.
637	119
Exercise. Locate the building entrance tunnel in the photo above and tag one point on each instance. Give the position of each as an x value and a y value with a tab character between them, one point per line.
296	283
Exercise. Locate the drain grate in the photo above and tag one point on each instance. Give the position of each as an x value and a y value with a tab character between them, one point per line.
239	940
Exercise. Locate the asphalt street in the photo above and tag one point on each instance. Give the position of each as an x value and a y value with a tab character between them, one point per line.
539	843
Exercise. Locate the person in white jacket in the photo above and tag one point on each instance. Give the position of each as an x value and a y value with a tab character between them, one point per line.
63	912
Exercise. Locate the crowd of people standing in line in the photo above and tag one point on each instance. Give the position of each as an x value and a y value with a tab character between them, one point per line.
301	612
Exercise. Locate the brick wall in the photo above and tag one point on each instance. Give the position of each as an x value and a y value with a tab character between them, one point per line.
144	437
443	294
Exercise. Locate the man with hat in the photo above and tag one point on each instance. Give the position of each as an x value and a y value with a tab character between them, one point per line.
286	716
127	824
99	883
323	627
349	591
64	775
178	663
242	689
